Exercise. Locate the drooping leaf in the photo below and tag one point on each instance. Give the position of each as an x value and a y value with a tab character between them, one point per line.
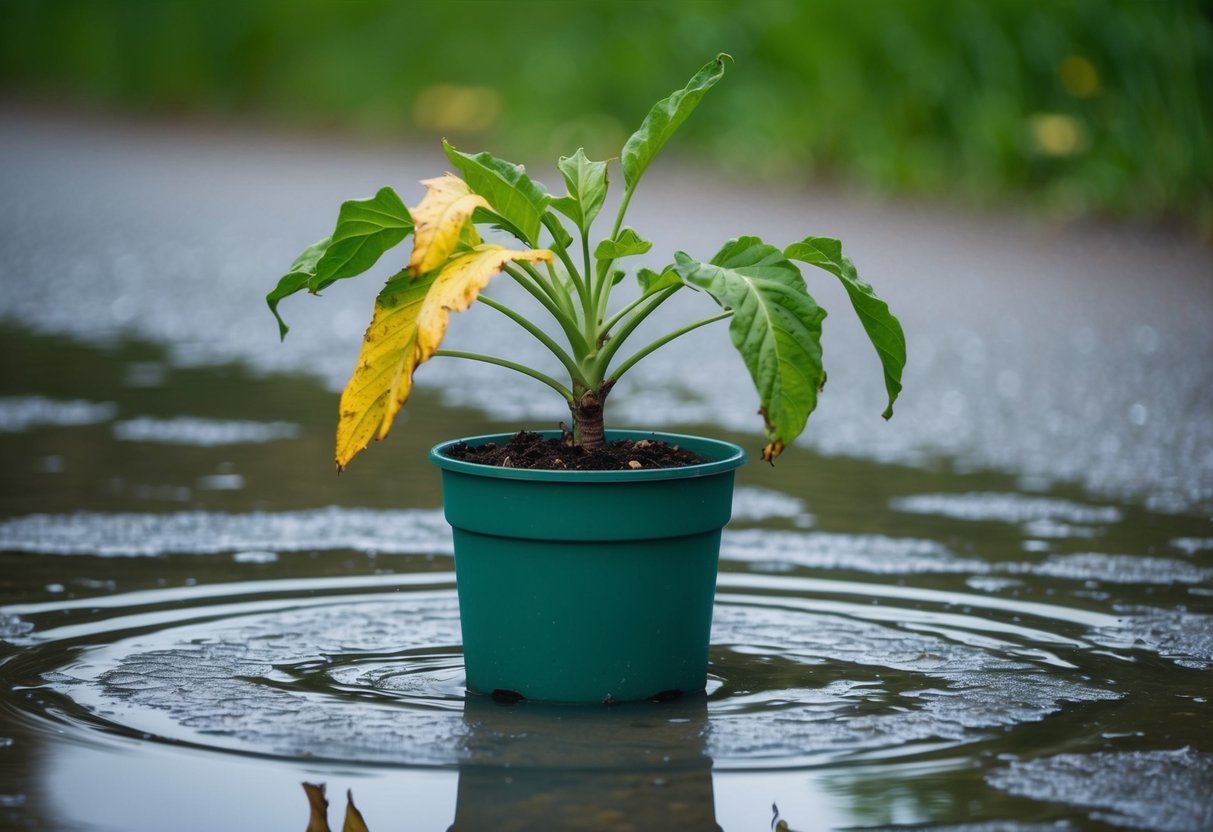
457	286
366	228
587	184
625	245
517	201
665	118
409	322
318	808
776	326
444	211
884	330
388	355
297	279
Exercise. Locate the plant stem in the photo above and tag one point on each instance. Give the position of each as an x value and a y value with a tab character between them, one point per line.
567	323
562	356
665	339
553	287
612	346
510	365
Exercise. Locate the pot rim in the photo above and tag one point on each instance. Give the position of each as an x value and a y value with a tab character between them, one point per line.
722	456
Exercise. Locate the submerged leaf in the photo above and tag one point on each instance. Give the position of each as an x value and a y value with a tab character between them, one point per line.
626	244
776	326
441	217
884	330
302	271
517	202
664	119
410	320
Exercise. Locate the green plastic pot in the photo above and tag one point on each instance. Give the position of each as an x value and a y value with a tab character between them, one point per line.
588	586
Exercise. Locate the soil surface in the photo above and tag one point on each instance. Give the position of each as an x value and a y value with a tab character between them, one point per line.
530	450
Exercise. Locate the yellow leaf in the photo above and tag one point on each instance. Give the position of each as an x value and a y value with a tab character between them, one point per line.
389	353
353	818
457	286
439	221
408	325
318	805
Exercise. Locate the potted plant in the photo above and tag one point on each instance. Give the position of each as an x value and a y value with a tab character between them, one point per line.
580	585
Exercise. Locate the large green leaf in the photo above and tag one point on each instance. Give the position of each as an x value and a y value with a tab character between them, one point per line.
776	327
518	201
626	244
665	117
587	184
366	228
882	327
301	273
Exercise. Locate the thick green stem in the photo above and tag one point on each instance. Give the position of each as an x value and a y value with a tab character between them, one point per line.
567	324
543	338
612	346
662	341
510	365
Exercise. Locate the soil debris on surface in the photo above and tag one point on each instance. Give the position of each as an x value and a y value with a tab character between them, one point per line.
530	450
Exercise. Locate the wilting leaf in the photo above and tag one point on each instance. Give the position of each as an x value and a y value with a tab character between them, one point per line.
300	275
625	245
776	327
664	119
409	322
457	286
517	202
366	228
318	804
444	211
587	184
353	818
884	330
389	355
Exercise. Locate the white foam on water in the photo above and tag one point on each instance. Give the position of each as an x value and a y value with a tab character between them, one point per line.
21	413
204	433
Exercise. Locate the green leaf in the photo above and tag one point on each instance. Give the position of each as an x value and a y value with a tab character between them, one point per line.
626	244
664	119
652	282
776	327
587	184
518	201
884	330
366	228
302	271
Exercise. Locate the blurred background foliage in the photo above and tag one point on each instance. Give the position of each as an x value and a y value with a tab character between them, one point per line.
1073	107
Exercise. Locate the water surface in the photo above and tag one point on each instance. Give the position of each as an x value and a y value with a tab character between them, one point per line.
995	612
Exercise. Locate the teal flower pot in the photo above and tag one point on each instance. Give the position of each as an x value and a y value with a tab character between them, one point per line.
588	586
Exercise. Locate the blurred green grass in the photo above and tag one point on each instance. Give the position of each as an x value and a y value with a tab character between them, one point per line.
1074	107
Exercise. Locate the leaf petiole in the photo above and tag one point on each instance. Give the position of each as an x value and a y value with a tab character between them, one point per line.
665	339
543	338
510	365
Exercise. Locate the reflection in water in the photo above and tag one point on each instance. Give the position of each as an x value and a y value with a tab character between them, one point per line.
635	766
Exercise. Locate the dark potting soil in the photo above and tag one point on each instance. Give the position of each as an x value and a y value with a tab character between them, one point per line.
530	450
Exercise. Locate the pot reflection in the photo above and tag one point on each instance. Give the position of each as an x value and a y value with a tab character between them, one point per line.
640	765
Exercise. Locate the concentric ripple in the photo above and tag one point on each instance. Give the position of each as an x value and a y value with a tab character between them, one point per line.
369	670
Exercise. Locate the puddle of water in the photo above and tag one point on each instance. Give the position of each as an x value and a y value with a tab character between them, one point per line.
970	621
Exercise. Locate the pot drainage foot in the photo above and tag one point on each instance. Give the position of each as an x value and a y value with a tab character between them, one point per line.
506	697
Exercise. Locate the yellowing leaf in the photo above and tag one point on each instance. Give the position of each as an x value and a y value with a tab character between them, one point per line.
439	221
353	818
457	286
318	806
409	322
389	354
